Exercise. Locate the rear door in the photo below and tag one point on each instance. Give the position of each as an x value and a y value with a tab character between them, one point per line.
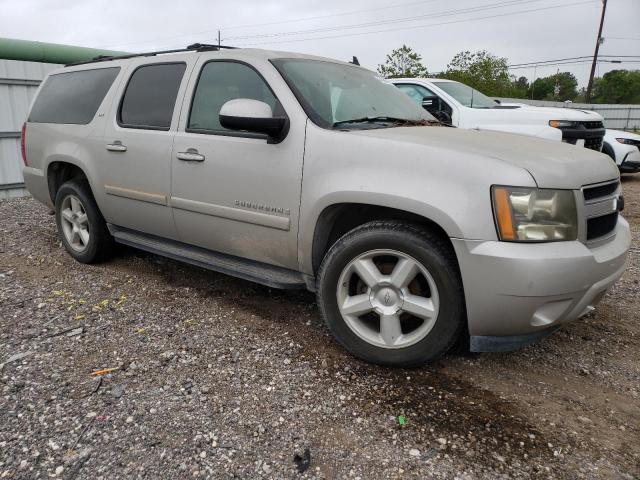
241	195
135	164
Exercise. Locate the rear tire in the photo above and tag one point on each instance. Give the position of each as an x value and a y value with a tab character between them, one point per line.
391	294
81	226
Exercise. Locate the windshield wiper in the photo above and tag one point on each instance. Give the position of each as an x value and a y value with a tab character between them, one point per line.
383	119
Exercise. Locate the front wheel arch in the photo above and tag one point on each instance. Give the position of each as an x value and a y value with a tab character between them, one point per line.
337	219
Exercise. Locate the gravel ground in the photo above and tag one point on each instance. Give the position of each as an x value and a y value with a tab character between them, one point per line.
219	378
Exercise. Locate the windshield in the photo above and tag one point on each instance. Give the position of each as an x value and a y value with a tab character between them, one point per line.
467	96
334	94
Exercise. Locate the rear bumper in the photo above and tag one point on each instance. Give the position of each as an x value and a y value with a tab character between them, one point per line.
521	290
36	182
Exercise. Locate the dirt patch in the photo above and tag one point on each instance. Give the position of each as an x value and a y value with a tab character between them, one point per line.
217	377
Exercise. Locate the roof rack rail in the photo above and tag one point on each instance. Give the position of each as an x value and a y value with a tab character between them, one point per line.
195	47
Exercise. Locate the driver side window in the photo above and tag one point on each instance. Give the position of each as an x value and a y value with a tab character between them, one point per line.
220	82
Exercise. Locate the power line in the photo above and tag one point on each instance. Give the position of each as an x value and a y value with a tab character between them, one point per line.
413	18
622	38
541	62
585	62
412	27
546	61
295	20
331	15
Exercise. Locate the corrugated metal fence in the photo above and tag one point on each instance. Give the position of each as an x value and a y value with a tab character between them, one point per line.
18	83
618	117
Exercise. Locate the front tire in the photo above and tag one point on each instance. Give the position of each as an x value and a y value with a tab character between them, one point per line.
82	228
391	294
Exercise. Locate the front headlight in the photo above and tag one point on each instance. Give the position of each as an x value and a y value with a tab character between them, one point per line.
626	141
524	214
561	123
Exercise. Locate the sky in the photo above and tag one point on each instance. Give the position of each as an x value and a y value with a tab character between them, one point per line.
520	30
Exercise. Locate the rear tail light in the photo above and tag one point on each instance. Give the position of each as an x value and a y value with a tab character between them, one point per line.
23	142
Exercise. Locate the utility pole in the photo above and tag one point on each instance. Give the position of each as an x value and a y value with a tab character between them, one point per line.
535	69
595	55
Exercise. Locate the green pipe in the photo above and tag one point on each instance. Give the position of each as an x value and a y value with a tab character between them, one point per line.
12	49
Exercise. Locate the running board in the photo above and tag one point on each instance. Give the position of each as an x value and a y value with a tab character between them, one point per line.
269	275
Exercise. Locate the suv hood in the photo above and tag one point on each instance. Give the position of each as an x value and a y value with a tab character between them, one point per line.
553	113
552	164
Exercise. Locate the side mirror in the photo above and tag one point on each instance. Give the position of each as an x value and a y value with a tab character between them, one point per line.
428	101
252	116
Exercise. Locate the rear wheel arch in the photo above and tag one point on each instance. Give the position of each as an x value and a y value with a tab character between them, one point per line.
59	172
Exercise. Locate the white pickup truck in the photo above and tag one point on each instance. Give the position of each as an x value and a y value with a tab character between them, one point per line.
462	106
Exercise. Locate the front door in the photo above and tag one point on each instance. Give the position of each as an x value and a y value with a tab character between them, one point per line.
234	192
135	166
431	102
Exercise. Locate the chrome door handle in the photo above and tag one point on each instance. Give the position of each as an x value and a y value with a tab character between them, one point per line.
116	146
191	155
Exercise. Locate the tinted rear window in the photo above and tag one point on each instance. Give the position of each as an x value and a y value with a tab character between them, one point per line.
72	97
150	96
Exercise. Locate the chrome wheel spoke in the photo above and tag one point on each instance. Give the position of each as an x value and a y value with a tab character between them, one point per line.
84	237
368	272
356	305
390	328
82	219
67	215
75	205
419	306
404	271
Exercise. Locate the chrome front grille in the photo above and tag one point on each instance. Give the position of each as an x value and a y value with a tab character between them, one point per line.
600	210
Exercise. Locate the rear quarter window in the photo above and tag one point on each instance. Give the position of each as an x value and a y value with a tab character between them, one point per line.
150	96
72	97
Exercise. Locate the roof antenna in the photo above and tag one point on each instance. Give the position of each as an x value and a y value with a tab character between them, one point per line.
355	61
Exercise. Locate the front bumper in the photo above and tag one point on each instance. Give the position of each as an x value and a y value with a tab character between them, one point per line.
524	290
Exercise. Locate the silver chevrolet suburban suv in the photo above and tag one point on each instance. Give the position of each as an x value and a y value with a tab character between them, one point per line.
303	172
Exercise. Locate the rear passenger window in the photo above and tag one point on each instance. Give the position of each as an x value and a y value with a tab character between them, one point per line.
72	97
150	97
220	82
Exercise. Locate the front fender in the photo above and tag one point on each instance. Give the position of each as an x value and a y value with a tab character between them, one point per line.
450	187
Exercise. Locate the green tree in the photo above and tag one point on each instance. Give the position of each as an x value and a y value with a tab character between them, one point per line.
482	71
561	86
403	62
617	86
519	87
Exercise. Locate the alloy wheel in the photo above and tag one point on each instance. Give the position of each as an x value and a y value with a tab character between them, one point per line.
388	298
75	223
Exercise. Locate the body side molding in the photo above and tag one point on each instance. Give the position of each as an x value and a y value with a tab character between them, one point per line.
238	214
157	198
